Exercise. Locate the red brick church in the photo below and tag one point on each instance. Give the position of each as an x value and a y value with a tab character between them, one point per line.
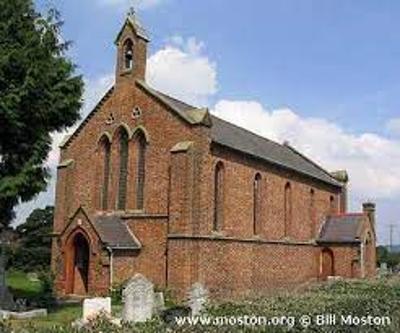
149	184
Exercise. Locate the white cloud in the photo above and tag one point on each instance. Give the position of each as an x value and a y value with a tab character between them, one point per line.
371	160
182	70
125	4
393	126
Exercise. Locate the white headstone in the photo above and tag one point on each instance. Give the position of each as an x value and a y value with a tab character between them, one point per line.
197	298
33	277
334	278
138	298
93	307
383	269
159	303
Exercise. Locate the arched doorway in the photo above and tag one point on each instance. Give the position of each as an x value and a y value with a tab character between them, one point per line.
327	264
78	265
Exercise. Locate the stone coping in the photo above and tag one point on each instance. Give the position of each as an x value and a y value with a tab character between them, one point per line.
255	239
4	314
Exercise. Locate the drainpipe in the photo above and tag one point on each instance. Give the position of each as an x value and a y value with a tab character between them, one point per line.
109	249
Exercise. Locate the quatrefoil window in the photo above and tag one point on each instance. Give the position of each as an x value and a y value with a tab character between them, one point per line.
136	113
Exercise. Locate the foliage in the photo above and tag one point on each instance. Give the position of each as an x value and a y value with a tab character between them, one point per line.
391	258
358	298
169	299
39	94
46	299
21	285
116	293
33	250
33	293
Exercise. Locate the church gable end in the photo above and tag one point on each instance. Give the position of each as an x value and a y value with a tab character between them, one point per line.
175	193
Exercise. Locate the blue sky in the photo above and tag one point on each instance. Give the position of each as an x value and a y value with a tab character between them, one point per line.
320	57
325	74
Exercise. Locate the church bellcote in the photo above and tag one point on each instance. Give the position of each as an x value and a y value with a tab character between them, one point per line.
131	50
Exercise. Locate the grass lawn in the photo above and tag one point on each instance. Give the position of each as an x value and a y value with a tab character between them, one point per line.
21	286
62	315
378	298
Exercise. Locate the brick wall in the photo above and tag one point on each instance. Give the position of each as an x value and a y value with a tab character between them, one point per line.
238	199
234	268
151	260
346	261
175	226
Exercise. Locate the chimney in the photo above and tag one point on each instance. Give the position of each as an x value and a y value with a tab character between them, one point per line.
369	210
342	177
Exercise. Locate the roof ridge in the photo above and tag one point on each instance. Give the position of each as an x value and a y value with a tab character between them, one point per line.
310	160
144	83
182	109
280	149
281	145
248	131
176	99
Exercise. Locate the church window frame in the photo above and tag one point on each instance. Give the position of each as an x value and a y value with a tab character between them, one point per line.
123	141
288	208
219	175
257	187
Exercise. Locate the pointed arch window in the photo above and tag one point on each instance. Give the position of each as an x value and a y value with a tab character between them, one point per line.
332	207
312	212
287	208
141	170
256	204
218	196
128	54
106	147
123	168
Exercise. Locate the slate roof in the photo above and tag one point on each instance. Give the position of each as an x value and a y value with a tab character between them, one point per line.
238	138
115	233
342	229
187	112
230	135
134	22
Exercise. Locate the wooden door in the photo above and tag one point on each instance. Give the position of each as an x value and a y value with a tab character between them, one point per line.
327	263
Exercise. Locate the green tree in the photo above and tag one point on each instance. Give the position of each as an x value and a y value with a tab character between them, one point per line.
34	244
392	259
39	94
382	254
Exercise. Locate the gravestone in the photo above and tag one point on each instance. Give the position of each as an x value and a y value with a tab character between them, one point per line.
159	303
33	277
93	307
334	278
4	314
197	298
138	299
383	269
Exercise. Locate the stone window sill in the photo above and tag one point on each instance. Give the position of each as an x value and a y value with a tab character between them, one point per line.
218	233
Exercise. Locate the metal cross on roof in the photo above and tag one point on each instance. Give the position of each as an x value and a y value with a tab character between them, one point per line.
131	11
